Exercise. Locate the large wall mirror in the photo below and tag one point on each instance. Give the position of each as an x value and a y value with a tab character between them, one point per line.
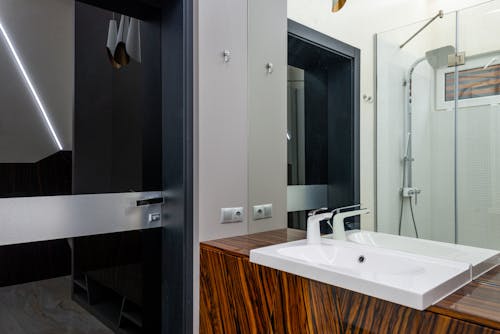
437	136
322	124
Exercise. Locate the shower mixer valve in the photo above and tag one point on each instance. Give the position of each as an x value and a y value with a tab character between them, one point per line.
411	192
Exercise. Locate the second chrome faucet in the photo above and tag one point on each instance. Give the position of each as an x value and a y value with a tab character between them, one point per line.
313	229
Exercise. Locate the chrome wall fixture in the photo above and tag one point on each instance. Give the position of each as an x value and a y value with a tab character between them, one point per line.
227	56
269	68
440	15
367	98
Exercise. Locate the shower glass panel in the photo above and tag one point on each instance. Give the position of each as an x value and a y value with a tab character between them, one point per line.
414	138
478	127
438	121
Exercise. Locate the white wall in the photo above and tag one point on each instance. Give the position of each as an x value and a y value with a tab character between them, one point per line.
222	116
267	98
241	118
239	147
220	124
356	24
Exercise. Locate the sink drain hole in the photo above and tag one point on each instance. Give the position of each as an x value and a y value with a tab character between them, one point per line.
361	259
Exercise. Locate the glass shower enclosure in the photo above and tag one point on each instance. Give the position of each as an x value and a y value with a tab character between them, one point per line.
438	128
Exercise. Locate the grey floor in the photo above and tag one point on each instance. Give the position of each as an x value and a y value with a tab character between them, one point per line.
45	307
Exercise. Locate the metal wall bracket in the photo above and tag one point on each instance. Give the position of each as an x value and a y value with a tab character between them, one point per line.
456	59
269	68
226	54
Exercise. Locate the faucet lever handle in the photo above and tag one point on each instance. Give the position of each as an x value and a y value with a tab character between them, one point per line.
337	210
314	212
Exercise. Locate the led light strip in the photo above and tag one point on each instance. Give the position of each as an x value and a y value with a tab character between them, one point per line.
31	87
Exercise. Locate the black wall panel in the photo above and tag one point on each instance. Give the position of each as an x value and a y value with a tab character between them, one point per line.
117	122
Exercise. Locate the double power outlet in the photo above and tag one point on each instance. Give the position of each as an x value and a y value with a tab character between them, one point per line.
232	215
237	215
263	211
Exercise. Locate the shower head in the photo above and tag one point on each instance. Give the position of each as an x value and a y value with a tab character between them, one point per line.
438	58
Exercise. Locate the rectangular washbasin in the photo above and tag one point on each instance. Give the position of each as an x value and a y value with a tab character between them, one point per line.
481	259
407	279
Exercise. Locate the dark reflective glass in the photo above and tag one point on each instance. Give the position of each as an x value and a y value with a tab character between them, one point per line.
80	113
80	101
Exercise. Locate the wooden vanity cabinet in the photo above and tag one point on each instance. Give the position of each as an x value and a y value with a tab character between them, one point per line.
237	296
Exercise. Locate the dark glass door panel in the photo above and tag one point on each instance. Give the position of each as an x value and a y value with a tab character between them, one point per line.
71	122
80	151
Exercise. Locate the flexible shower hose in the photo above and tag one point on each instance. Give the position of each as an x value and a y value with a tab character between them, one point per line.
402	206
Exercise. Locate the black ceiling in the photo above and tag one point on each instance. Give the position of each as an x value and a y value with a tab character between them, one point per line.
141	9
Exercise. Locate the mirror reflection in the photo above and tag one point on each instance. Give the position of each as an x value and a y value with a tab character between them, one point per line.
74	120
80	113
437	125
321	127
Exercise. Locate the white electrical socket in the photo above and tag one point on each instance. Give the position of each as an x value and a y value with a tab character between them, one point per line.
258	212
232	215
262	211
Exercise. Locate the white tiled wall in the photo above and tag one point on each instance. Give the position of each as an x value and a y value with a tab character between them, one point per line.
478	141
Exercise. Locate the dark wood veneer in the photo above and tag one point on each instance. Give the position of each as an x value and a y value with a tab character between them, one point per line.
478	301
242	245
237	296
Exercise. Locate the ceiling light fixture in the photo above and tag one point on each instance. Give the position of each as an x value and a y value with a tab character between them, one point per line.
133	44
121	56
30	86
337	5
111	42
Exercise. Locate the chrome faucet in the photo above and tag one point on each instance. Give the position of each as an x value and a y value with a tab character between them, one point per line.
338	222
313	230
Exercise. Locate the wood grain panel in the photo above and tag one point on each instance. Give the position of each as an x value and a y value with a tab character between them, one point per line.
433	323
237	296
365	314
477	302
242	245
241	297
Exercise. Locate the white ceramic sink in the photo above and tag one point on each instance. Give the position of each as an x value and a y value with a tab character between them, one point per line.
407	279
481	259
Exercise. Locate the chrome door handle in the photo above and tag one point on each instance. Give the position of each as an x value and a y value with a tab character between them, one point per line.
150	201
